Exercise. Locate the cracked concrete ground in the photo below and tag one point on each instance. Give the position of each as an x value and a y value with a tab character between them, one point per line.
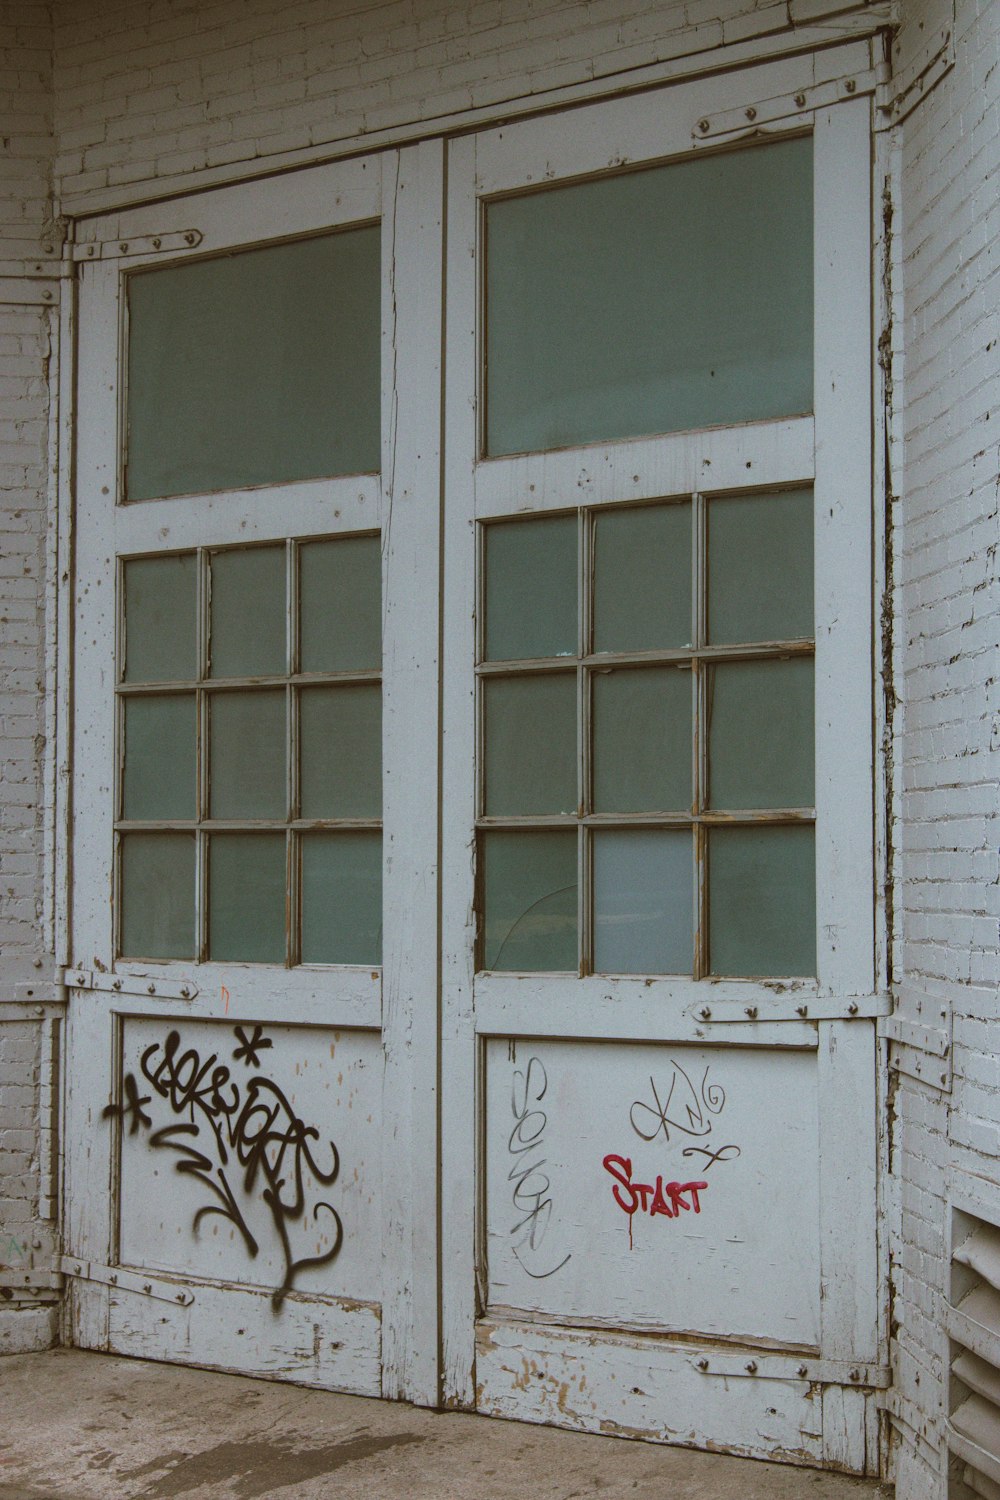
77	1426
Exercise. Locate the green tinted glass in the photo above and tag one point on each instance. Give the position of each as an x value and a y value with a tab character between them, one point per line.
643	902
530	900
246	898
342	897
642	740
531	589
762	901
255	367
676	297
340	605
161	616
248	614
341	738
157	895
760	567
642	578
760	735
247	738
531	744
160	757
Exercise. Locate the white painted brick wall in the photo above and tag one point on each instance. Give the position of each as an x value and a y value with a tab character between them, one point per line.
949	622
153	88
27	1205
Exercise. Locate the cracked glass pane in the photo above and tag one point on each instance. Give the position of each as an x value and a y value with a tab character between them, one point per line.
530	900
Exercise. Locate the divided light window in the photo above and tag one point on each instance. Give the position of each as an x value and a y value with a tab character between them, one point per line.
249	799
646	672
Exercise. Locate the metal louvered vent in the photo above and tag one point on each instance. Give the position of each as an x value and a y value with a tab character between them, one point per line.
973	1318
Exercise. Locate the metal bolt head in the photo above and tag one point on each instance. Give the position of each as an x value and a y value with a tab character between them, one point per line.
800	100
116	984
123	246
855	1375
185	992
751	113
852	1009
802	1370
703	126
157	242
802	1010
151	989
751	1367
751	1011
850	86
703	1364
705	1013
189	238
81	979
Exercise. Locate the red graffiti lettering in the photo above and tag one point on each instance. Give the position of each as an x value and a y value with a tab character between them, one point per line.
664	1198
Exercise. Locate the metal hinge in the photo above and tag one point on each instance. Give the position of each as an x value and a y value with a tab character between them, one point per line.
904	90
766	1366
33	1278
129	984
127	1281
792	1007
142	244
920	1051
734	124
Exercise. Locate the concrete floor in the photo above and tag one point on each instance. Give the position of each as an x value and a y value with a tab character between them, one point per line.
77	1426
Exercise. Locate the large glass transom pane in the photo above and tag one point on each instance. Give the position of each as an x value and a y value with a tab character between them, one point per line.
256	367
649	301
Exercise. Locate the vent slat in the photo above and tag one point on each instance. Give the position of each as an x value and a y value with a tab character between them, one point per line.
981	1253
980	1485
979	1376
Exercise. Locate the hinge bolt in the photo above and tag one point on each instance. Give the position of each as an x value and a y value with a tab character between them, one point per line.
81	979
855	1375
703	126
185	992
800	100
751	1367
850	86
751	113
802	1010
705	1013
151	989
147	1287
703	1364
852	1009
157	242
116	984
189	238
751	1011
123	246
802	1370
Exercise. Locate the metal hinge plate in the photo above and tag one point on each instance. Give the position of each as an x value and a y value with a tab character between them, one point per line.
907	88
764	1366
142	244
919	1051
733	124
792	1007
127	1281
129	984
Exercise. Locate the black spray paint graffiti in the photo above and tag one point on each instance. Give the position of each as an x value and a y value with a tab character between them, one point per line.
531	1184
250	1133
686	1111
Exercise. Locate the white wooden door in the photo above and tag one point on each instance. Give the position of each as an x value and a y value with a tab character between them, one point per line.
659	1042
252	1064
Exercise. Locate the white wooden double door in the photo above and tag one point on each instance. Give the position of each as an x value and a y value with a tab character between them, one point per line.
641	1204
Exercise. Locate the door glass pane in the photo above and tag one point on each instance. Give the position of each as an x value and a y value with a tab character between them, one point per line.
530	891
340	605
531	589
642	740
248	620
674	297
341	735
531	744
255	367
246	898
760	739
762	901
157	895
342	898
643	902
246	744
642	578
760	567
161	619
160	757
